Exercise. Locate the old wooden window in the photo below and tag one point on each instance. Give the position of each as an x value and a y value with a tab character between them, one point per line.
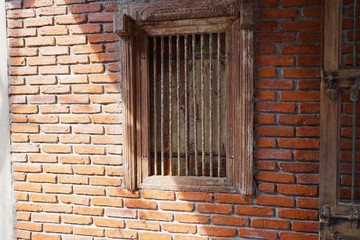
187	72
340	121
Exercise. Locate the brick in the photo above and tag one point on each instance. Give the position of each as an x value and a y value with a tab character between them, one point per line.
298	214
57	228
89	170
194	196
75	119
88	211
78	220
275	201
27	187
139	203
306	226
275	107
73	179
34	227
15	33
275	60
232	198
103	38
29	207
73	79
108	222
179	228
28	128
230	221
22	71
149	236
271	131
58	169
155	215
106	119
257	234
91	89
254	211
277	13
118	192
43	198
43	236
50	51
297	190
211	208
120	212
273	154
275	177
88	69
72	59
23	52
294	3
53	70
73	19
74	199
57	149
175	206
300	167
38	22
270	223
104	78
21	13
42	158
70	40
85	29
217	231
41	178
87	231
120	233
297	236
192	218
39	42
105	181
100	17
301	73
143	225
99	201
161	195
84	8
52	11
54	31
54	188
74	159
88	49
89	150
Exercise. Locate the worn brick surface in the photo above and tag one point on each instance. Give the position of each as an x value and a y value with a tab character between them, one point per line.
66	131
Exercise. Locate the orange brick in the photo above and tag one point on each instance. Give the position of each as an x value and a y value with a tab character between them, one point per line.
258	234
179	228
45	218
192	218
150	236
78	220
108	222
176	206
88	211
121	233
229	220
74	199
89	190
57	228
232	198
42	158
35	227
143	225
217	231
270	223
87	231
139	203
212	208
154	215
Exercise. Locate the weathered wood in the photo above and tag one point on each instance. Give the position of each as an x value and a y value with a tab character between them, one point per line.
128	91
134	24
330	125
181	9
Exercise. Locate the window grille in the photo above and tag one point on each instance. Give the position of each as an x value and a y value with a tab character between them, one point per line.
188	102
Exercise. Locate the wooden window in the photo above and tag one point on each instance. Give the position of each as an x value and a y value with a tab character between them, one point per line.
187	74
339	121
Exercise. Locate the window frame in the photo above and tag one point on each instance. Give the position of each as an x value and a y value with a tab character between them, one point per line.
133	24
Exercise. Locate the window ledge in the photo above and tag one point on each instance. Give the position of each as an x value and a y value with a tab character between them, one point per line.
191	184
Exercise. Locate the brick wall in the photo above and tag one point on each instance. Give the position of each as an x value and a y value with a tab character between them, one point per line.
66	131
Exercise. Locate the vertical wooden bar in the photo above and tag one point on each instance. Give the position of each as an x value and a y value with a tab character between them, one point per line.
186	105
170	106
218	104
194	104
211	102
353	149
202	76
155	105
355	34
178	100
329	109
162	106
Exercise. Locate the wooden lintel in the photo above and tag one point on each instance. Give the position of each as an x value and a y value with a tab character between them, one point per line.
247	16
123	25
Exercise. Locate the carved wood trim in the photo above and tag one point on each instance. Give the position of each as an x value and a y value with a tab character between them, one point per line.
133	28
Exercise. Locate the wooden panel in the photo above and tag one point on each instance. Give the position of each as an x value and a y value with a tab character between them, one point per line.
128	90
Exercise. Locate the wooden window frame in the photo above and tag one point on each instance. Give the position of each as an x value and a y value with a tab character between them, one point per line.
133	24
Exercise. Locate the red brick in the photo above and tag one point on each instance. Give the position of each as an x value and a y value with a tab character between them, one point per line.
254	211
192	218
194	196
297	236
275	107
257	234
300	167
270	223
72	19
109	222
306	226
303	143
275	201
88	231
139	203
176	206
21	13
273	154
155	215
232	198
230	221
212	208
160	195
217	231
275	177
308	203
298	214
277	13
84	8
179	228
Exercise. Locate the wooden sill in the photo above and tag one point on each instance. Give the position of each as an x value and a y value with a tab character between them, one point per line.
191	184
